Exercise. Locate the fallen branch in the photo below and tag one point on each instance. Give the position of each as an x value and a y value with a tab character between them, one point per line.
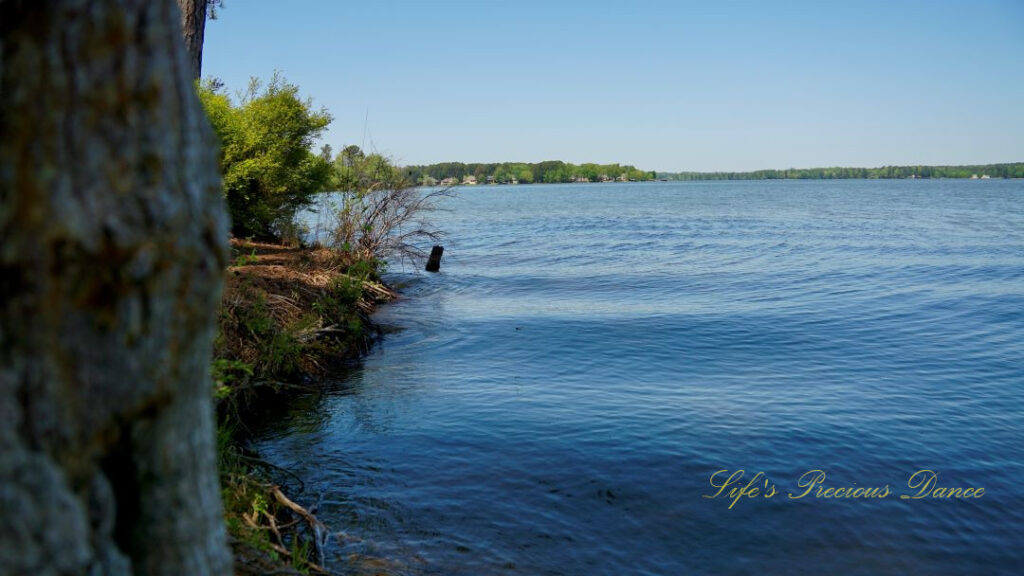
380	291
318	528
314	333
279	548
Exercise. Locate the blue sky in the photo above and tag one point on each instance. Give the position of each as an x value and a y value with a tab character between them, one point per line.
713	85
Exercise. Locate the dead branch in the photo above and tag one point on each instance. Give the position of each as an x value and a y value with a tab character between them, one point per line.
317	527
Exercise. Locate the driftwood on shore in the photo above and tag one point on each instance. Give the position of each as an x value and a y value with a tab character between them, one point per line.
316	526
317	529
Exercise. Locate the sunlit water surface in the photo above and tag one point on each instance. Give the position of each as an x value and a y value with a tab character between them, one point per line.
556	400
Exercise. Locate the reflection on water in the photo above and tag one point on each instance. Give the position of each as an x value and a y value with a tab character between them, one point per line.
557	398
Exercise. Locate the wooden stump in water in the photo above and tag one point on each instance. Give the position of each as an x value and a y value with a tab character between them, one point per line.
434	262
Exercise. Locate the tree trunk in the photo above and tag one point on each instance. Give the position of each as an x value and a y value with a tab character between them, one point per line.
112	246
193	28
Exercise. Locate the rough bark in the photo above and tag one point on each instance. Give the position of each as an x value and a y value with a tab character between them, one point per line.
193	28
112	246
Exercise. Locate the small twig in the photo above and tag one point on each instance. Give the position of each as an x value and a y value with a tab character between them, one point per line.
273	528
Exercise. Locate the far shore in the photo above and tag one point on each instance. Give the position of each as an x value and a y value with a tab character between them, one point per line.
664	180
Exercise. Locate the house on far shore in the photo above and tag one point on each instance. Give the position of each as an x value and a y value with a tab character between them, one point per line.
449	182
469	180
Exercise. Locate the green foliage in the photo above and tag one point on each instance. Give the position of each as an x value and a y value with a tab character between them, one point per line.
227	372
553	171
302	554
550	171
340	299
255	319
280	352
358	173
247	259
242	492
364	270
269	170
1015	170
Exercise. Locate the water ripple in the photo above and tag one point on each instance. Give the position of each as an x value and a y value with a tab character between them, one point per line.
559	395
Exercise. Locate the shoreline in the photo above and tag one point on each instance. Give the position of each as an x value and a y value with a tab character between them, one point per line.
704	180
290	317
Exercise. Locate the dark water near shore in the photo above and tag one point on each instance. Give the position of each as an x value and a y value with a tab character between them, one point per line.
559	396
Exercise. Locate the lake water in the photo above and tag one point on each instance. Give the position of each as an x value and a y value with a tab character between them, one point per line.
557	399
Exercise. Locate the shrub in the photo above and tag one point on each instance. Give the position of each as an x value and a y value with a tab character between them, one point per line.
269	170
381	213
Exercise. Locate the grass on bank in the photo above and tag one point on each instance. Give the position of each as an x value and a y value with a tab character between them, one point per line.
290	312
288	315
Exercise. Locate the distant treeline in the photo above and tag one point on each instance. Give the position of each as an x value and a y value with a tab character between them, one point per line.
1014	170
551	171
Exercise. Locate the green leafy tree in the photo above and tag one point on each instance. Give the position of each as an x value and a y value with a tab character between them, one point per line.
549	171
354	171
1011	170
266	159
